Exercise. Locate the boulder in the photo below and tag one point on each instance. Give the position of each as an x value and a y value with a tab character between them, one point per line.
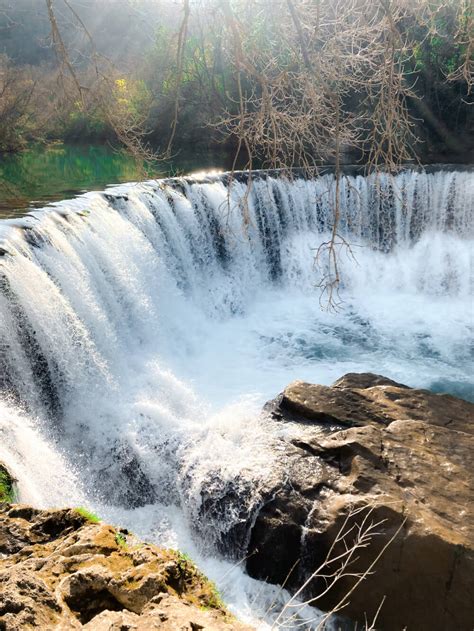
374	493
60	570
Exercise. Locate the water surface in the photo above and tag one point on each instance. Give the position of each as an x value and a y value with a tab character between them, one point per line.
44	174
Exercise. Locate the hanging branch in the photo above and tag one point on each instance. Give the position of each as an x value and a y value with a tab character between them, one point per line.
128	128
182	35
61	50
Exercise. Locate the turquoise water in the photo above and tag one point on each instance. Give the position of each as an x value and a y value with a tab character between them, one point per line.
40	174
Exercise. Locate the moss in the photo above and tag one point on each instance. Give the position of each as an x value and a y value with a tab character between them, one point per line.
213	597
199	589
7	490
94	519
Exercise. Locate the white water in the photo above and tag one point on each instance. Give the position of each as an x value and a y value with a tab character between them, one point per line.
141	332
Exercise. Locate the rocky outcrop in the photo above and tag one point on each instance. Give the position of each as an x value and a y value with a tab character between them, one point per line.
59	570
369	455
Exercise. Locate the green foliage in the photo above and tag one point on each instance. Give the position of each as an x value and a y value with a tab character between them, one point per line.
440	45
184	560
7	492
136	93
120	540
214	598
94	519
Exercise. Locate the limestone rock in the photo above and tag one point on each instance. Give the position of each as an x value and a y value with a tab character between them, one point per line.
60	571
358	401
371	449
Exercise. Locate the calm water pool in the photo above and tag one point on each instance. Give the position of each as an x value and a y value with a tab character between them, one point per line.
41	175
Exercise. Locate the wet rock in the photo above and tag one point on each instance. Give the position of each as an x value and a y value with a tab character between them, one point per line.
58	570
44	526
136	490
369	455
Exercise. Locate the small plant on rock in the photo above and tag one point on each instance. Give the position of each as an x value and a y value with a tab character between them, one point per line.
120	540
92	517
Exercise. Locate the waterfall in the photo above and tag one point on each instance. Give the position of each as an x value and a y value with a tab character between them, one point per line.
142	328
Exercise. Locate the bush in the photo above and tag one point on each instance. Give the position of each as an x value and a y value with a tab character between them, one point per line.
7	490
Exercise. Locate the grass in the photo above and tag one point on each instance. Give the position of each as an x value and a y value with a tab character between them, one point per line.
92	517
184	560
210	593
7	491
120	540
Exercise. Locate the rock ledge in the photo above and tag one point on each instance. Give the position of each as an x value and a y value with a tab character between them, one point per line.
370	444
58	570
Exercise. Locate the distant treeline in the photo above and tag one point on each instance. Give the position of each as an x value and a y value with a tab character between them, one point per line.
246	75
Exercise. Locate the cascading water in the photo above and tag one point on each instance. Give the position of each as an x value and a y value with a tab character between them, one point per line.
141	330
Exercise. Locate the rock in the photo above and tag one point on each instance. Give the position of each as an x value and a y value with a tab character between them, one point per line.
58	570
351	401
366	451
137	490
